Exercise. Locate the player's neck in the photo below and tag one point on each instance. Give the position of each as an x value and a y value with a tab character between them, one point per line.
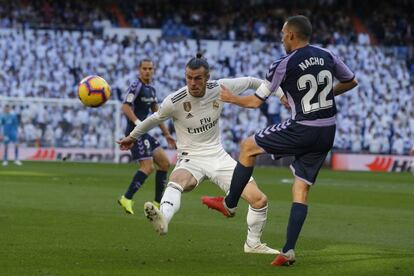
145	81
198	95
299	45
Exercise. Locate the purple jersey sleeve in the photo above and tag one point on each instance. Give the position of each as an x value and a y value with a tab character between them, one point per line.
132	92
341	70
277	72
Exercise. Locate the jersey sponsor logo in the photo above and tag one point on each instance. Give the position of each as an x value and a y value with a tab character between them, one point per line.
206	124
187	106
148	99
216	105
180	95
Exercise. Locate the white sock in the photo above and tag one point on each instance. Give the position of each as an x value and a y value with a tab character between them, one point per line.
171	200
256	221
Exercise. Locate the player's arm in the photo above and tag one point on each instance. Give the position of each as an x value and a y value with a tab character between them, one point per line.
342	87
271	85
230	90
127	104
345	76
129	112
239	85
164	129
163	113
165	132
250	101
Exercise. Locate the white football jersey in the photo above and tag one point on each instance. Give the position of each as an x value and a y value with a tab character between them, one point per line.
196	120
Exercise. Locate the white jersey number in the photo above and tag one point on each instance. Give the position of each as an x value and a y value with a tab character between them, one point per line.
323	75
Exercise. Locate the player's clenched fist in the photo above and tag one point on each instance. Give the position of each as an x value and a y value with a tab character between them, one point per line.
126	143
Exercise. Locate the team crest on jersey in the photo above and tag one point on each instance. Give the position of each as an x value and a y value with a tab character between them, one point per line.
187	106
216	105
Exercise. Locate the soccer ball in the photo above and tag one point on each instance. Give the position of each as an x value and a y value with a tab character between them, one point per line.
93	91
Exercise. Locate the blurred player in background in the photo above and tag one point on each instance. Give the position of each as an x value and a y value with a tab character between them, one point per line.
139	101
195	110
10	124
306	75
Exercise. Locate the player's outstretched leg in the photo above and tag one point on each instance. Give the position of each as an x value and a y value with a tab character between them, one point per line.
218	203
157	219
256	222
170	204
284	259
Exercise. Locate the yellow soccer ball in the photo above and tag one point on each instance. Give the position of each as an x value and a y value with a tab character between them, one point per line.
93	91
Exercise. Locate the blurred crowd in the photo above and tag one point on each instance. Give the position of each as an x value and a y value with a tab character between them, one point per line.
335	21
376	117
52	124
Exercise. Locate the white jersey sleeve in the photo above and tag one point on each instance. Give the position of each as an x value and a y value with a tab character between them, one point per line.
263	91
164	112
240	85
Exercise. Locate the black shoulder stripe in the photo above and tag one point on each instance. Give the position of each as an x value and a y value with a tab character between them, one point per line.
179	94
174	100
182	94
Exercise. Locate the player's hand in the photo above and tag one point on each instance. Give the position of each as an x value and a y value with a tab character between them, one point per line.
225	94
412	152
285	102
170	141
126	143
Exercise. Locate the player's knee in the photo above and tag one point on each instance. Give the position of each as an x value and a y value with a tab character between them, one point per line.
186	183
259	202
146	169
164	165
176	186
247	146
256	198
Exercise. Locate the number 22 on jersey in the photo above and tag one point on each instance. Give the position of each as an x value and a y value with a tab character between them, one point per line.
322	103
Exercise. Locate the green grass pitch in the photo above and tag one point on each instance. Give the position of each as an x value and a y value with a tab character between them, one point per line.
63	219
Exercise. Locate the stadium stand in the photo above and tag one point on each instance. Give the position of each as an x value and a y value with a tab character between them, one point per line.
377	117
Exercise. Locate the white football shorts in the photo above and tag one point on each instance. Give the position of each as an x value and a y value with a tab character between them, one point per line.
217	167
